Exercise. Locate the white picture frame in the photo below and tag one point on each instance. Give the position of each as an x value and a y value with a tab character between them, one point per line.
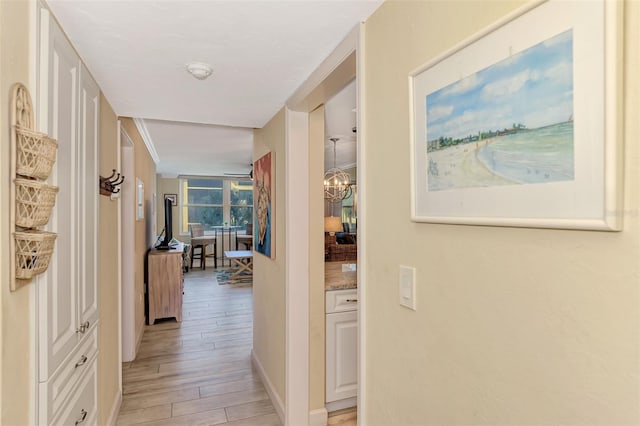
584	190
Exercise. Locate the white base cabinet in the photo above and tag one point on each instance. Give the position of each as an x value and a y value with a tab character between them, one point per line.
341	346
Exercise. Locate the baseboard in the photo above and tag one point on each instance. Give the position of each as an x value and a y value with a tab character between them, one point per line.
271	390
139	339
138	343
341	404
115	410
318	417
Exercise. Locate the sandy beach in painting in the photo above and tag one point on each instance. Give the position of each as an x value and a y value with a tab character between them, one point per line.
459	167
510	123
533	156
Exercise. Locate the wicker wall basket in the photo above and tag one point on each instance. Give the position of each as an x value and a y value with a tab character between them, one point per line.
34	202
36	153
33	252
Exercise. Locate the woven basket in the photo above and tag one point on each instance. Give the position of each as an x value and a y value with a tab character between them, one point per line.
33	252
34	201
36	153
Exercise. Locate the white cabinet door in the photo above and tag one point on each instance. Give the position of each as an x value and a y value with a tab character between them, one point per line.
342	355
89	126
67	302
57	298
69	299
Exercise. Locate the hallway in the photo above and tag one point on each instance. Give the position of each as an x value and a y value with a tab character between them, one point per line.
199	371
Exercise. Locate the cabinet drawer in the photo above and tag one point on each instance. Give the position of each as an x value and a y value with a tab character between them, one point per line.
341	300
55	392
82	408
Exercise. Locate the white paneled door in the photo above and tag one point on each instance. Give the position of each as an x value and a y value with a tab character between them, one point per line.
59	75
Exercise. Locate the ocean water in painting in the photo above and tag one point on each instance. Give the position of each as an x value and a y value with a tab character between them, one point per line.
537	156
533	156
510	123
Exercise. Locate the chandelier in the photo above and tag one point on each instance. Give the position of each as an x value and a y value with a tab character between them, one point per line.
337	182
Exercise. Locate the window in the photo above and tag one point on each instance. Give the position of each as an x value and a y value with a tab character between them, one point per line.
216	202
241	203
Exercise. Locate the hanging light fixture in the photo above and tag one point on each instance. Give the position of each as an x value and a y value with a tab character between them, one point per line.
337	182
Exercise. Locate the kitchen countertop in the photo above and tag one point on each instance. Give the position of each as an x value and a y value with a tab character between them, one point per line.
335	279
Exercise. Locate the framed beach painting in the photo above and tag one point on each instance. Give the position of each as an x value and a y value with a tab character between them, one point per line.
264	199
519	125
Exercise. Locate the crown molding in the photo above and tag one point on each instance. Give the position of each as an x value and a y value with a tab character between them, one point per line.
146	137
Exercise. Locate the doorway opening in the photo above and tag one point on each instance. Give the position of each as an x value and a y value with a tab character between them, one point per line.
306	398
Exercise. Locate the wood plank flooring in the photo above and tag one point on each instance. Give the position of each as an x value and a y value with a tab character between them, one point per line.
198	372
347	417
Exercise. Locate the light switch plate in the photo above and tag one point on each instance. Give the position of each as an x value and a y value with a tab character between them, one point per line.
408	287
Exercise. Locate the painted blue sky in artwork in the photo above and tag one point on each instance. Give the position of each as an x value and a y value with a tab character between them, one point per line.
533	87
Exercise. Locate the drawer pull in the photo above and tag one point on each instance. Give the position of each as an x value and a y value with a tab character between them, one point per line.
83	415
82	361
83	327
352	300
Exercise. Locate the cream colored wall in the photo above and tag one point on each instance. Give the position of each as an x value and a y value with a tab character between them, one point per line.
15	318
316	262
269	274
145	169
513	326
109	332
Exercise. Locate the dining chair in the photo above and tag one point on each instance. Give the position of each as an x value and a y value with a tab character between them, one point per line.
197	233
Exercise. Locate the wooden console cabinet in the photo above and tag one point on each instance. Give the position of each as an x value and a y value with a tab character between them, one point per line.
165	284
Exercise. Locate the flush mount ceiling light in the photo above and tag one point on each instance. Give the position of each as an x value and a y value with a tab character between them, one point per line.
199	70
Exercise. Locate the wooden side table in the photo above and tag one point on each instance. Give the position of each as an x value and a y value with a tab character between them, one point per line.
165	284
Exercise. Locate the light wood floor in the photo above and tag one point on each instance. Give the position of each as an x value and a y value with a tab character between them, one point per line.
348	417
198	372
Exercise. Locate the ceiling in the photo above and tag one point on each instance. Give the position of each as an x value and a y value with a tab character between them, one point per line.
339	121
260	51
200	149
